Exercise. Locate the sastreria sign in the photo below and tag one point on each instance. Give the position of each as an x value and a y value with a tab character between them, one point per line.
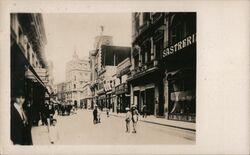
179	45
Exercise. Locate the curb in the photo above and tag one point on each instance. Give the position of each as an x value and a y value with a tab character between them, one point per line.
173	126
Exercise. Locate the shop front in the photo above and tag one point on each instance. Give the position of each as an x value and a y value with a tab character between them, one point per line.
31	84
147	91
180	80
123	97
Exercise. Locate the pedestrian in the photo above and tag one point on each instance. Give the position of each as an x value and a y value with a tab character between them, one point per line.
53	132
19	121
128	119
135	115
98	115
28	111
107	111
95	114
51	112
144	111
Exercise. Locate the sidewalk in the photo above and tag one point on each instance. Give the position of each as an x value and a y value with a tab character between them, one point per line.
162	121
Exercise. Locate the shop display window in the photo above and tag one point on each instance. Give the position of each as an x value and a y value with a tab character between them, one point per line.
182	105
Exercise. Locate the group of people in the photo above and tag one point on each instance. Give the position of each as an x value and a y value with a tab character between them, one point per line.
131	115
21	122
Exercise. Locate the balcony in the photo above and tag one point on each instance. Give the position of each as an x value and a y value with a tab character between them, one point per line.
122	88
100	72
100	91
144	69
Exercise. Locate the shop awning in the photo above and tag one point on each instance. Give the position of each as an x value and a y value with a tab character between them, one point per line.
182	71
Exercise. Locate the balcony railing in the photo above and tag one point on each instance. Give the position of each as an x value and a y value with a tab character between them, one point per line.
101	71
122	88
144	68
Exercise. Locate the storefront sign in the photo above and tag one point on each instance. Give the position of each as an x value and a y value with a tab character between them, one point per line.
179	45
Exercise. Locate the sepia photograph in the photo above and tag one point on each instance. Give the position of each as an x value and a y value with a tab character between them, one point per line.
124	77
103	78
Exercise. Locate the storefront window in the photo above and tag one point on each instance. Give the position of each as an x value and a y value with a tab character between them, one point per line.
182	99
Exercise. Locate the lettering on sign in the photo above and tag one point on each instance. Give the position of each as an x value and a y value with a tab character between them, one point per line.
179	45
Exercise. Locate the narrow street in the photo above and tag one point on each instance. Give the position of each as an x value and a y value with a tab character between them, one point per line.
79	129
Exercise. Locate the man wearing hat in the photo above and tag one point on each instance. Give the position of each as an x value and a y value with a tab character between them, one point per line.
128	119
135	115
19	121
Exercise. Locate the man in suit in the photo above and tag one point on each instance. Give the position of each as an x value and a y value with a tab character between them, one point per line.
19	121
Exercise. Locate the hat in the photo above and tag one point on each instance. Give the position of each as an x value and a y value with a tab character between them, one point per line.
19	93
133	106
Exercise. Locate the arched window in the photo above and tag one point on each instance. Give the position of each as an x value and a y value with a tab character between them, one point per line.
182	25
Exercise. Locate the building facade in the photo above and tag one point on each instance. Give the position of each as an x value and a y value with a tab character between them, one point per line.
163	75
29	67
60	92
103	62
122	90
77	75
86	97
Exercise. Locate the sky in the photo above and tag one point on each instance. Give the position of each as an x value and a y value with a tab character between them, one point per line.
69	32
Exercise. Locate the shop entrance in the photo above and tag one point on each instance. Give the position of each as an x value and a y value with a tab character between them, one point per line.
150	95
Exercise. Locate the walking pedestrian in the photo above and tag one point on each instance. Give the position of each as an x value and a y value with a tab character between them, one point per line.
98	115
144	111
135	115
53	132
128	119
95	114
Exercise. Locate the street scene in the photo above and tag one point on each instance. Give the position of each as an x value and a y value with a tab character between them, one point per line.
81	131
103	78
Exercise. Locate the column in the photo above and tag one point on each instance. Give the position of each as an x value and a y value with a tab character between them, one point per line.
131	95
152	50
166	97
156	112
140	57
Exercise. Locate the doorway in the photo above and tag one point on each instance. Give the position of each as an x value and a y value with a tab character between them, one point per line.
150	95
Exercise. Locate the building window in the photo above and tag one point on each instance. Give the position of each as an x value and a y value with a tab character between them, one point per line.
146	17
182	104
182	25
158	48
137	23
136	61
75	78
74	86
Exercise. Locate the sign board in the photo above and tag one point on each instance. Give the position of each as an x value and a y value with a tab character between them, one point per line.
179	45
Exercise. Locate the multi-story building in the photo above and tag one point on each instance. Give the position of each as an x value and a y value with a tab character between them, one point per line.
60	92
103	62
122	88
164	64
77	74
29	68
86	96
